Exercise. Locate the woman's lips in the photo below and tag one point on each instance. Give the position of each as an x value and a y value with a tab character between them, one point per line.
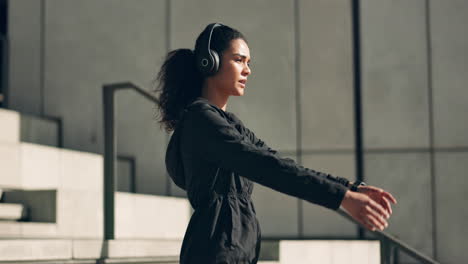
242	82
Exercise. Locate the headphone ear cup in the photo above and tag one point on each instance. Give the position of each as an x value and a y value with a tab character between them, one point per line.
215	60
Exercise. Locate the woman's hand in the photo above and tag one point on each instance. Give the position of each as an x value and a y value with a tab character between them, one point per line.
380	196
365	210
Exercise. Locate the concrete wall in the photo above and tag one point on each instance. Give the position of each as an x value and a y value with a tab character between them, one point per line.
26	49
414	65
413	56
85	45
449	43
395	114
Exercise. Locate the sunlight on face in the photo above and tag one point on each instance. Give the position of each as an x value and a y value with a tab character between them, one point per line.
232	76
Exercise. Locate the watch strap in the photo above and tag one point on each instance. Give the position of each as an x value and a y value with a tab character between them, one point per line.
354	186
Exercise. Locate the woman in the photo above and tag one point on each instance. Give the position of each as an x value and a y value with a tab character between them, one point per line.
215	158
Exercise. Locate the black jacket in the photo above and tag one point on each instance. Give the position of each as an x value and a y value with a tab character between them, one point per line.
215	158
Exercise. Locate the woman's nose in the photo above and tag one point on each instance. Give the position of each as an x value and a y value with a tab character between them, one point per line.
246	70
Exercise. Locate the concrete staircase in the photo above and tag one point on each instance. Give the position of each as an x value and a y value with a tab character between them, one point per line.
51	211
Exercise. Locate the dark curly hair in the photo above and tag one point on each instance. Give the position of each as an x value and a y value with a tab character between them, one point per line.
179	81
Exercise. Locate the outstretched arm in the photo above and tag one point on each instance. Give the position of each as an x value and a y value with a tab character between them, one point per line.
260	143
216	141
212	138
371	211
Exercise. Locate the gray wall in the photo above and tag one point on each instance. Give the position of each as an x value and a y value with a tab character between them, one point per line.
86	44
449	42
414	65
414	95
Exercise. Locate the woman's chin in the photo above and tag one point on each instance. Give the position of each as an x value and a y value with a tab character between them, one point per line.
237	93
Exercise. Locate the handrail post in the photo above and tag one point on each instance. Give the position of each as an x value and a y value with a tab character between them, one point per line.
109	162
387	252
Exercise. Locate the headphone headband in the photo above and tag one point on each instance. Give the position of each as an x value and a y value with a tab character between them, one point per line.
207	59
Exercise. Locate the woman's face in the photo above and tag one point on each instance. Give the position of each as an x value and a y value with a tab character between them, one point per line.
231	77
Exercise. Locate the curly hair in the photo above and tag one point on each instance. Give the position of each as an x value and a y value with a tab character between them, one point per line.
179	81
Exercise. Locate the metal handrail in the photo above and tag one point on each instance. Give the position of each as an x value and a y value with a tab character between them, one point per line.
110	154
110	161
388	241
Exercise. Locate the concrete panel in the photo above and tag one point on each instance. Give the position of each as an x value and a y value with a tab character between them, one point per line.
451	185
90	43
17	250
124	175
149	216
276	212
142	248
39	130
394	74
81	171
10	164
80	214
449	68
329	252
320	221
24	34
268	104
10	229
139	136
326	74
87	249
39	166
401	174
38	230
10	121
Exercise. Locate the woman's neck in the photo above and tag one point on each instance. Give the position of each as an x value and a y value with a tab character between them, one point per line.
215	97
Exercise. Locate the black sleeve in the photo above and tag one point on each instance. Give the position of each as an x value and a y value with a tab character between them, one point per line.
260	143
215	140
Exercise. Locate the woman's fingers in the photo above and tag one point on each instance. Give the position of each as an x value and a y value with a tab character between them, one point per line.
375	222
386	204
376	218
370	209
378	208
380	191
390	197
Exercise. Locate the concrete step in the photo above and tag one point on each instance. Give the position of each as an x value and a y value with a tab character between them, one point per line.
13	229
31	166
12	211
158	260
21	250
112	251
79	214
10	121
167	251
18	127
321	251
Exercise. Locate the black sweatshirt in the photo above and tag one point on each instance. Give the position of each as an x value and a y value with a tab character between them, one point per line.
215	158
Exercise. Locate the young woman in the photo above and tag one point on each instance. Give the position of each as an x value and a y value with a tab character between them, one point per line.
215	158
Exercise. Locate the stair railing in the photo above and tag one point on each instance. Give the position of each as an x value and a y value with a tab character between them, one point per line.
389	244
110	153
